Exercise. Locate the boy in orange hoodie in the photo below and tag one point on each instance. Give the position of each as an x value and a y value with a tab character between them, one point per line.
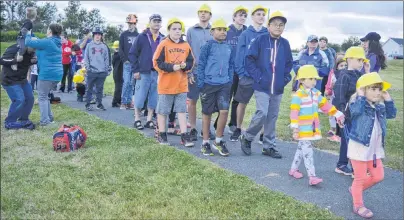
172	60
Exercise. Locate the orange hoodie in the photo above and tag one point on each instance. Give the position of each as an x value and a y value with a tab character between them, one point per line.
169	53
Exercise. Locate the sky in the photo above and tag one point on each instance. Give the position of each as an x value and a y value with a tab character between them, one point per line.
337	20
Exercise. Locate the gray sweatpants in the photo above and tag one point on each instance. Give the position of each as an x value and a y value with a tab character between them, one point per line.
96	80
43	89
265	115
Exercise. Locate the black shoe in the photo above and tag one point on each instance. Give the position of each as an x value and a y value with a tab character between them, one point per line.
221	147
186	141
80	99
115	105
261	141
211	136
89	107
193	135
236	135
138	125
272	153
206	150
101	107
150	124
162	139
245	145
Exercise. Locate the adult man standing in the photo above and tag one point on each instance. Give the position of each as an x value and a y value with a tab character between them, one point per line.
125	43
141	58
197	36
269	62
330	52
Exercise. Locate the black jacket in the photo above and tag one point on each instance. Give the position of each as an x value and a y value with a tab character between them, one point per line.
117	64
344	88
8	75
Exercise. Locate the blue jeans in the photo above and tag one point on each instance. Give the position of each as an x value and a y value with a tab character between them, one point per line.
127	87
146	87
22	101
343	148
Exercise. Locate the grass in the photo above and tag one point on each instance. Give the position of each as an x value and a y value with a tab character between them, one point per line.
120	174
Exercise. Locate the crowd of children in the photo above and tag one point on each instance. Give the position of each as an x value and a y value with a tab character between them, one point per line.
219	63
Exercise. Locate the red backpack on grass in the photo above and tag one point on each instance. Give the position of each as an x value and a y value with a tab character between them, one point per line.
69	138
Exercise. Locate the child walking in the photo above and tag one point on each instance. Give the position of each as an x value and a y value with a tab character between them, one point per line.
215	76
79	79
117	74
172	60
305	121
369	108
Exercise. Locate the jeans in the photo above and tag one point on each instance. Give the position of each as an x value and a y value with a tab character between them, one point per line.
234	104
267	115
66	74
98	82
34	81
343	147
127	87
22	101
146	87
44	88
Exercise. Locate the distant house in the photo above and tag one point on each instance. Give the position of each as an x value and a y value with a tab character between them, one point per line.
393	46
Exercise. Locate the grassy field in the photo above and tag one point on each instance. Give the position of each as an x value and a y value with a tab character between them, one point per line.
120	174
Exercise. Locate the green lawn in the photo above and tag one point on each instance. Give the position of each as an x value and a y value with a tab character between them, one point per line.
120	174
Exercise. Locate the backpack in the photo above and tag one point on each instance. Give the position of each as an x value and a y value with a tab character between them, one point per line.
69	138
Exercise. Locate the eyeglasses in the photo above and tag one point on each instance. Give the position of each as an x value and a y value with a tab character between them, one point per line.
281	26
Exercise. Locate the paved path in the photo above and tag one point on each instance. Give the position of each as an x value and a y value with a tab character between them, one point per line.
385	199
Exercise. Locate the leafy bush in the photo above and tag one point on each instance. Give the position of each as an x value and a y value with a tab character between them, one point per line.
11	36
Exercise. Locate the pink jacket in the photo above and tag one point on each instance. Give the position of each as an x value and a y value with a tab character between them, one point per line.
328	86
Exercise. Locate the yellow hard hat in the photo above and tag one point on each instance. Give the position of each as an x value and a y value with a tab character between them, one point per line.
205	7
219	23
307	72
176	20
115	45
259	7
239	8
370	79
78	78
356	52
277	14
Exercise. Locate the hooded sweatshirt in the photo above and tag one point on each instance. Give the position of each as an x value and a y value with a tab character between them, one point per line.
66	52
96	59
49	53
245	39
125	43
197	36
232	37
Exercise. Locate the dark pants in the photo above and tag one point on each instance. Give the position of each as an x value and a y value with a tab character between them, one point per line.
234	104
22	101
118	80
34	81
343	147
66	73
81	89
323	84
97	81
171	116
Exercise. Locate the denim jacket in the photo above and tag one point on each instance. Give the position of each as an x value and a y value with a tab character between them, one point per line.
363	119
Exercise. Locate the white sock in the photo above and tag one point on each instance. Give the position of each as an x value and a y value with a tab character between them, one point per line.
218	139
204	142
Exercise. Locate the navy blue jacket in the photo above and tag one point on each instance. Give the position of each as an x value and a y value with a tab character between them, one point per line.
264	55
344	88
232	37
141	54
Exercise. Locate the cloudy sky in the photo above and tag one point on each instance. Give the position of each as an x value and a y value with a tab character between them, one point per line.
335	20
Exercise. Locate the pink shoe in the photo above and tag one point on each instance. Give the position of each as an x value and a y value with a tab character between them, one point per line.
296	174
314	180
188	125
334	138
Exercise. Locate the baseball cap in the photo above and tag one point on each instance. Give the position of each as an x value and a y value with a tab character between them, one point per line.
371	36
312	37
155	17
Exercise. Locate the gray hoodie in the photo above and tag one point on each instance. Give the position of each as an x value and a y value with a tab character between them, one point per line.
96	59
197	36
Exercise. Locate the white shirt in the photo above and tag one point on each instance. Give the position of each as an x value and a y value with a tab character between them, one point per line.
34	69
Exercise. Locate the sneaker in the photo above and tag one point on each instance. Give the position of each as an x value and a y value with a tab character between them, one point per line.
150	125
330	133
93	102
186	141
162	139
123	106
314	180
206	150
232	129
115	105
236	135
261	140
296	174
101	107
334	138
272	153
221	147
29	127
245	145
344	169
130	106
138	125
89	107
211	136
193	134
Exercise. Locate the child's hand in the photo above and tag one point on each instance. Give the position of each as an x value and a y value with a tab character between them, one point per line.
73	53
191	80
386	96
176	67
183	65
367	67
136	76
360	91
296	133
340	121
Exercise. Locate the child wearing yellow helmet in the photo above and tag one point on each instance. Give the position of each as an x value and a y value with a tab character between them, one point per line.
369	109
79	79
117	65
305	121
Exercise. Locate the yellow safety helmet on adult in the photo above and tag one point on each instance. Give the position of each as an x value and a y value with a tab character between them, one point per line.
205	7
307	72
239	8
370	79
259	7
357	53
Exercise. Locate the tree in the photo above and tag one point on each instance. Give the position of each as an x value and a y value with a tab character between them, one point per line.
350	42
112	33
46	15
336	47
94	18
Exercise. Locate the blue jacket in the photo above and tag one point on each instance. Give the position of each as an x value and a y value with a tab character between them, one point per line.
330	57
363	119
141	53
247	37
216	65
49	53
260	62
375	66
232	37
